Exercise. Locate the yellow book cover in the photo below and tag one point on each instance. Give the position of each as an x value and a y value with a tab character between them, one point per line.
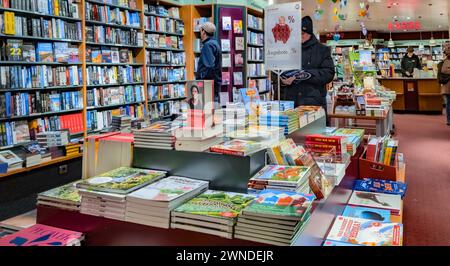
387	156
277	152
56	7
10	24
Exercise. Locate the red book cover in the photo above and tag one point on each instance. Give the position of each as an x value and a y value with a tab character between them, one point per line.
41	235
322	147
229	152
122	137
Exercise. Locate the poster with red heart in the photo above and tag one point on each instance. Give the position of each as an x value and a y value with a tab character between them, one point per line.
282	33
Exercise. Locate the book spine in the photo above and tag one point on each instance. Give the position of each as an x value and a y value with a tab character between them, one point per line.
228	152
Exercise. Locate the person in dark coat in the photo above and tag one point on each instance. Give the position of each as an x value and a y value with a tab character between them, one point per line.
308	86
409	62
209	65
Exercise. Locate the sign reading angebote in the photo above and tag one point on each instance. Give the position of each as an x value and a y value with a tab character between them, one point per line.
283	45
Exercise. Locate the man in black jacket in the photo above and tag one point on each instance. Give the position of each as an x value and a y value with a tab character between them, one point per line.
409	62
209	65
308	87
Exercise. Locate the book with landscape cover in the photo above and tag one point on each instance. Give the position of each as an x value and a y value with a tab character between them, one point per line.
218	205
367	213
283	204
167	191
238	147
65	194
366	232
376	200
282	175
122	180
44	52
42	235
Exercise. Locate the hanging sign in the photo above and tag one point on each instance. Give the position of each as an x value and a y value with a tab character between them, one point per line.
283	39
404	25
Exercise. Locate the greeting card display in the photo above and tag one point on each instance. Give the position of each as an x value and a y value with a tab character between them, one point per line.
226	60
238	60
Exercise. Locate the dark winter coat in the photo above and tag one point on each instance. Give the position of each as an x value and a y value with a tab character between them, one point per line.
209	65
317	61
409	63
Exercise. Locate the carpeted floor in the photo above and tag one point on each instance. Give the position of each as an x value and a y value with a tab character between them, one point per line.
425	142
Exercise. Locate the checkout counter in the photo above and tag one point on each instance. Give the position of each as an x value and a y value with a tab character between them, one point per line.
415	95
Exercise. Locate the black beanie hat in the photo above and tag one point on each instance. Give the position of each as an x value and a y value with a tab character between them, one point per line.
307	25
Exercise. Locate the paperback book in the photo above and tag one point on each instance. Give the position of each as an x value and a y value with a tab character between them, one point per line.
42	235
368	213
380	186
376	200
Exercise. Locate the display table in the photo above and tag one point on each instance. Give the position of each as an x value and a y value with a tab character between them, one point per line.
415	95
384	124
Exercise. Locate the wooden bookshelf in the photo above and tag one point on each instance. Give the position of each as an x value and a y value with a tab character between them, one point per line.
54	161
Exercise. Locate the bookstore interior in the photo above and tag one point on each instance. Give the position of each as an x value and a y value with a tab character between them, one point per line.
108	137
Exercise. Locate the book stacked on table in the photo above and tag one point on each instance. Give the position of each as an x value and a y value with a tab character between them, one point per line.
267	136
53	138
121	122
281	177
64	197
14	162
377	200
104	195
43	235
212	212
233	117
73	149
365	232
197	139
151	205
159	135
238	147
275	217
380	186
354	138
288	119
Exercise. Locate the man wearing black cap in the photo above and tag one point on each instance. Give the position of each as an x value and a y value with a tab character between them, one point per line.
209	66
308	87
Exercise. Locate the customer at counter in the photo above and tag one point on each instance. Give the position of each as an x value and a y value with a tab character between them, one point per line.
444	79
409	62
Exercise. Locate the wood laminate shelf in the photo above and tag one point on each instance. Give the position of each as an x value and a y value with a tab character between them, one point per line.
33	38
167	82
24	63
99	23
114	64
164	49
161	16
115	85
54	161
166	100
164	33
115	45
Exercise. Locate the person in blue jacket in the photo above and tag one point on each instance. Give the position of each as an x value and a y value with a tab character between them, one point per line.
209	66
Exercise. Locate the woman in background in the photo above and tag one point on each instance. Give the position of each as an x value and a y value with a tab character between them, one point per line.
444	79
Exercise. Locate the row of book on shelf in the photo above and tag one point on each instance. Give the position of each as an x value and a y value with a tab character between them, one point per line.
57	52
163	41
166	57
64	8
106	54
100	120
112	15
114	36
115	95
160	24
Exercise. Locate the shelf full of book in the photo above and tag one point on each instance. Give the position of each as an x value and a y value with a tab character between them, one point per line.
165	59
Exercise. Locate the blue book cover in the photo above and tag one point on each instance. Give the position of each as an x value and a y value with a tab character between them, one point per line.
250	98
380	186
367	213
8	103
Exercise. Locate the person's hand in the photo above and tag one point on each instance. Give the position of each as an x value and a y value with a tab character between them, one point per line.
288	81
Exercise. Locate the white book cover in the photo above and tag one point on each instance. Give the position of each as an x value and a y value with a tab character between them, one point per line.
168	189
376	200
226	23
226	46
226	60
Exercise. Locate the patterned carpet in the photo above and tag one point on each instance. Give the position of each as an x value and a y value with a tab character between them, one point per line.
425	142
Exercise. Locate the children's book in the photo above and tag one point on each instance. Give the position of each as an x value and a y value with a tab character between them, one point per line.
366	232
376	200
226	46
237	26
238	147
367	213
282	175
226	23
380	186
239	44
42	235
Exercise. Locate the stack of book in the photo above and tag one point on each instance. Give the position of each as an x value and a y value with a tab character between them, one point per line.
57	152
281	177
72	149
14	162
382	150
104	195
267	136
121	122
288	119
53	138
212	212
320	144
233	117
33	154
354	138
43	235
197	139
375	200
151	205
159	135
63	197
238	147
275	217
364	232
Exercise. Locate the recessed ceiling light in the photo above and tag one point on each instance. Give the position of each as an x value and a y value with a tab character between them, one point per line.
408	18
395	4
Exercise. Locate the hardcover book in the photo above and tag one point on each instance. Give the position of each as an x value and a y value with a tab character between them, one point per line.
122	180
42	235
67	193
219	204
45	52
200	95
376	200
368	213
380	186
9	157
238	60
366	232
283	204
14	50
226	60
237	78
29	52
237	26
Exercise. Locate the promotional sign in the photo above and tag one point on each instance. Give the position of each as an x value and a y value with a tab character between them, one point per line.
283	39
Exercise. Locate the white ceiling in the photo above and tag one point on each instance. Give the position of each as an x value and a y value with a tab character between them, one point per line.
380	14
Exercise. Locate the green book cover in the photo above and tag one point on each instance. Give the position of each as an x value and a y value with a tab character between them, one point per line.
282	174
67	193
121	180
219	204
